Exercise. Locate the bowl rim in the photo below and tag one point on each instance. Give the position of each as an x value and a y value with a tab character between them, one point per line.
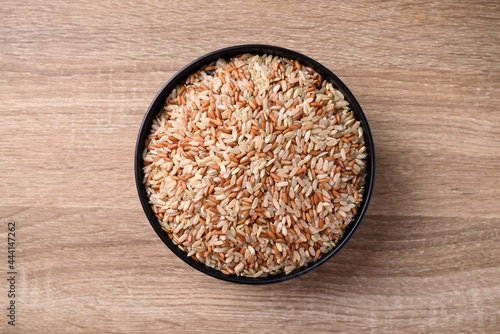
155	108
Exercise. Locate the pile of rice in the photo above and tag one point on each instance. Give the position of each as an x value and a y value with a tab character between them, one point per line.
255	166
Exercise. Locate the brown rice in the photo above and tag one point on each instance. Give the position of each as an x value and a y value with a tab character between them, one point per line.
255	166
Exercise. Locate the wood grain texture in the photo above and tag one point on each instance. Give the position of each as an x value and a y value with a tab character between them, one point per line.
76	79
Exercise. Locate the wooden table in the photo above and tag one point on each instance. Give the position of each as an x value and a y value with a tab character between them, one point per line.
76	80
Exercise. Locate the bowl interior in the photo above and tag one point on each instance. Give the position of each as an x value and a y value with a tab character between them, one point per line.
157	105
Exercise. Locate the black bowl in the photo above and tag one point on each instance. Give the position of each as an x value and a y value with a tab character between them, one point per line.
157	105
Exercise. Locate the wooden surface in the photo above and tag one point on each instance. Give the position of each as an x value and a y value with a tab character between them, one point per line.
76	79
